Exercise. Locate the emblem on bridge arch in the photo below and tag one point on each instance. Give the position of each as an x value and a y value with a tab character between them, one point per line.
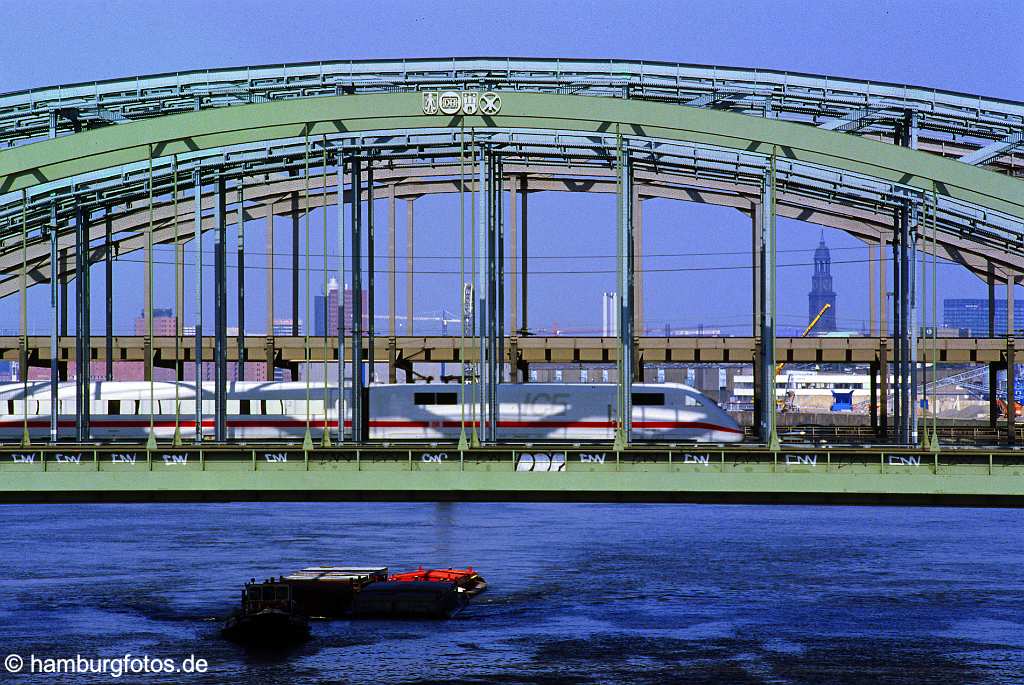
430	103
450	102
465	102
490	103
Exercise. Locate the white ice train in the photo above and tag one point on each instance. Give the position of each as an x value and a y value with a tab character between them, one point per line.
278	411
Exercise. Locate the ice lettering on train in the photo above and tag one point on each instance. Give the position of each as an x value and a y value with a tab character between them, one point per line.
549	398
275	456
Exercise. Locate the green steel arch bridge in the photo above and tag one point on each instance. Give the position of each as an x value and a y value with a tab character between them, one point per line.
94	171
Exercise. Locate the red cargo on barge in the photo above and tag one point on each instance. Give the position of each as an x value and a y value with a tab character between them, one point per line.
465	579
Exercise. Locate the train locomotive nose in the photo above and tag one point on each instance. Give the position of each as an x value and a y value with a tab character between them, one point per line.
731	430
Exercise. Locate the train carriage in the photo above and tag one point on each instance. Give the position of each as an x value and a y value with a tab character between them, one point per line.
126	411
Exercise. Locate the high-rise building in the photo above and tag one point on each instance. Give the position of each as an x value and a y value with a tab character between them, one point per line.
327	307
164	322
970	316
821	290
609	314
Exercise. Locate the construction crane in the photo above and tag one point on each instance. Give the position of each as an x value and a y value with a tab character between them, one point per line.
786	404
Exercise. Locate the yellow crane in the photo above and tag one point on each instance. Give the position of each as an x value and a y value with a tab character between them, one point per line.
783	404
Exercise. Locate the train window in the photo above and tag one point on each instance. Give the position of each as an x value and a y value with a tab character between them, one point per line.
648	399
692	401
435	398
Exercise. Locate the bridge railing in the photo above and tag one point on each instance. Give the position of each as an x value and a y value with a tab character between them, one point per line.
526	460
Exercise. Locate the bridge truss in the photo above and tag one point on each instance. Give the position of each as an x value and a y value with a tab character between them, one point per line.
96	171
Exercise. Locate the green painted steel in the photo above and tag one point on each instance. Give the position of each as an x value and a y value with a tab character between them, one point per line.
886	476
29	165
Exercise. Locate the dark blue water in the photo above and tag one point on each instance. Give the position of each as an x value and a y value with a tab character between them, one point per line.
578	593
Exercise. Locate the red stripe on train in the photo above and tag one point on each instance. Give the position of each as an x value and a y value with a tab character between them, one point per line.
379	423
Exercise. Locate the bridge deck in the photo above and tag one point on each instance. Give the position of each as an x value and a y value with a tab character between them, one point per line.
285	350
678	474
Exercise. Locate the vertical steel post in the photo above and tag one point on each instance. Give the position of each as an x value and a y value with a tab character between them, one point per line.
872	298
883	342
758	305
638	267
326	437
197	240
624	255
914	316
481	293
220	313
897	329
883	385
873	396
342	403
151	440
64	275
906	298
54	350
513	284
84	344
392	265
240	373
496	295
993	369
108	272
23	321
409	266
358	407
524	263
371	294
295	267
768	276
270	289
1011	365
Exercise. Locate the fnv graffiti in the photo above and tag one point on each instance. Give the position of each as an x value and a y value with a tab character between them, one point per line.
435	458
123	458
62	458
275	456
172	459
592	458
899	460
802	459
541	462
702	459
23	457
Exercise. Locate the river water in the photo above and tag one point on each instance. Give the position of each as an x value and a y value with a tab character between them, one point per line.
578	593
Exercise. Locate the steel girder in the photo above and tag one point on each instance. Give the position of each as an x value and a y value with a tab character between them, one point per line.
39	113
728	146
128	226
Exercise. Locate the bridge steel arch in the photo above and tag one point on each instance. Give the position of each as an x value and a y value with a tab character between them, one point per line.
908	177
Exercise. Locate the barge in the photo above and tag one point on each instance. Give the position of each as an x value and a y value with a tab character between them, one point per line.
278	611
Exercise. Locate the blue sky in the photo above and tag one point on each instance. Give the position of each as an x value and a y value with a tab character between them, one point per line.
969	46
